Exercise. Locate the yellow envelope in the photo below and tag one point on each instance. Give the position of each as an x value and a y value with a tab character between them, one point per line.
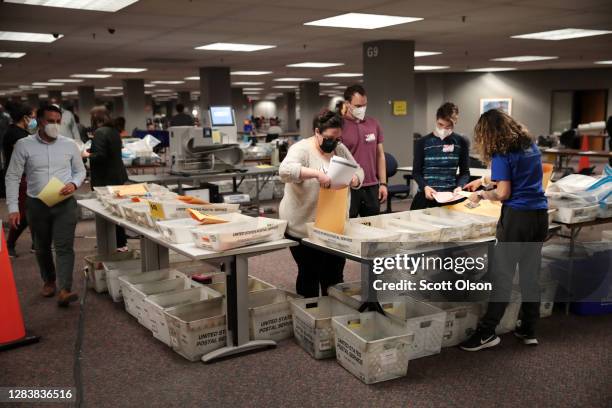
331	210
50	194
130	190
205	219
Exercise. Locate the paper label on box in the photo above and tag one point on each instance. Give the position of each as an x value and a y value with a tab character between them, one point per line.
157	210
325	345
388	357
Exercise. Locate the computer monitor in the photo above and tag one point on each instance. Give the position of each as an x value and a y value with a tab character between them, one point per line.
221	116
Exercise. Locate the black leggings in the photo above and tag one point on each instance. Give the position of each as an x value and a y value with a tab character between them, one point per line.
315	269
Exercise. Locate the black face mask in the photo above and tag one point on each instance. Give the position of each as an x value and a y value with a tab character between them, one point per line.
328	145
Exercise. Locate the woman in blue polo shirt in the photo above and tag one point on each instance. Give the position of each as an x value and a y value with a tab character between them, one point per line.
516	172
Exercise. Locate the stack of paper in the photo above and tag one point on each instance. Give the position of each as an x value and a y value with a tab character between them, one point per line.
341	171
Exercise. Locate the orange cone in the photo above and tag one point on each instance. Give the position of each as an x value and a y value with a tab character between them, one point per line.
584	160
12	330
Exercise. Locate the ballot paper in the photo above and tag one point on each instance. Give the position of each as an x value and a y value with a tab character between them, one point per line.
341	171
50	194
444	197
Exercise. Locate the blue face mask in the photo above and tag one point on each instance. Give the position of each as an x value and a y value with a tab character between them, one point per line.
32	126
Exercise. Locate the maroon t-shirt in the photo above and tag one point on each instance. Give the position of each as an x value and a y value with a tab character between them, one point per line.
362	138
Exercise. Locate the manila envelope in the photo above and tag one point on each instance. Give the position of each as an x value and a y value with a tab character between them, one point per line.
331	210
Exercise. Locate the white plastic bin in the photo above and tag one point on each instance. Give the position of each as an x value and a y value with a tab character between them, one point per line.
114	269
424	320
452	230
178	231
348	293
270	315
576	215
196	328
96	274
255	284
481	226
155	305
171	209
412	233
461	321
222	237
357	239
605	210
312	327
142	290
372	347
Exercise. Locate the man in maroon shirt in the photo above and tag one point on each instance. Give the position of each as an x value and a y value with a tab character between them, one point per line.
364	138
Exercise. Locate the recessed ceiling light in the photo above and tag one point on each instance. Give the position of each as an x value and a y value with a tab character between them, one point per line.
418	54
291	79
119	69
252	89
524	58
247	83
28	37
167	82
363	21
5	54
563	34
106	5
328	83
234	47
604	62
91	76
250	72
65	80
344	75
192	78
47	83
285	86
429	67
491	69
315	64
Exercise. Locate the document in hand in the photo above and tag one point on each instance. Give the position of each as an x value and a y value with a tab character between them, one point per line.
448	196
341	171
50	194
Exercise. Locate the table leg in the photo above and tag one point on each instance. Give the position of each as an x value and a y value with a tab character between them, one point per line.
257	192
573	235
153	256
237	317
105	236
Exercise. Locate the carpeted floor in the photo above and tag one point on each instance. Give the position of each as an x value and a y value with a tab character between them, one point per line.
123	365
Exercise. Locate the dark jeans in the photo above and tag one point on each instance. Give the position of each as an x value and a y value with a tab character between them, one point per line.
54	225
14	233
120	236
315	269
364	202
520	236
420	202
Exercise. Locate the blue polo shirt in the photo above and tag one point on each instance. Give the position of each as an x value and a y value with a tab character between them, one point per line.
523	168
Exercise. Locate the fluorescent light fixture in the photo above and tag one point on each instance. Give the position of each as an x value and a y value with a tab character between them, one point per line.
119	69
167	82
429	67
524	58
344	75
110	88
247	83
491	69
316	64
100	90
363	21
563	34
38	87
418	54
26	87
234	47
5	54
28	37
192	78
328	83
250	72
149	85
339	87
163	90
66	80
291	79
91	76
604	62
285	86
252	89
64	93
106	5
47	83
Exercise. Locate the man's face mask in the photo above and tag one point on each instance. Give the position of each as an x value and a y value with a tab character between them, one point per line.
442	132
358	112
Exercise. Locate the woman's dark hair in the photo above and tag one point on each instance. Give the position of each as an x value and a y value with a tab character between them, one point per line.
47	108
100	116
498	133
327	120
18	110
448	111
352	90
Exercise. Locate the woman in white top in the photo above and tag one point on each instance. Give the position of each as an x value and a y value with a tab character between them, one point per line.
302	172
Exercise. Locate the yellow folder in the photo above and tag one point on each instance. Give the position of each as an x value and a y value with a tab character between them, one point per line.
50	194
331	210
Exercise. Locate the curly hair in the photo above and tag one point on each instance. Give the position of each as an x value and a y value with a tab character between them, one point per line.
498	133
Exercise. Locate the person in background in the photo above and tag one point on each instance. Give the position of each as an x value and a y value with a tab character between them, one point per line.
69	126
363	136
516	173
302	172
43	156
181	118
105	159
437	157
119	124
5	121
274	130
82	129
24	124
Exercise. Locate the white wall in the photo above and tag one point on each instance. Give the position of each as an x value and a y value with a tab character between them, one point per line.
265	108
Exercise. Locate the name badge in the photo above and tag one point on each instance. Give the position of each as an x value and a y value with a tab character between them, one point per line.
370	137
448	148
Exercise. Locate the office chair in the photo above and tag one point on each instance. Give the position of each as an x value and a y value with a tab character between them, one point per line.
396	190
